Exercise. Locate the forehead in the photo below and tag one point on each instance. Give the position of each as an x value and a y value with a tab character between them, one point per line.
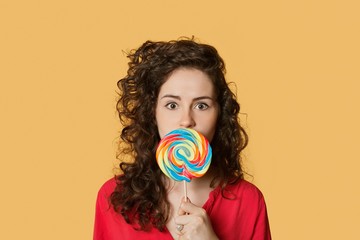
188	81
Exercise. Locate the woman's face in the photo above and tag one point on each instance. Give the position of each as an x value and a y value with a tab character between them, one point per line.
187	100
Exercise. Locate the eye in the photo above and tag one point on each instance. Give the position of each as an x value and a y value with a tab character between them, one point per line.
171	105
201	106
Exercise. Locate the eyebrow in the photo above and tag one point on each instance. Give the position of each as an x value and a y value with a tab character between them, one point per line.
179	98
171	96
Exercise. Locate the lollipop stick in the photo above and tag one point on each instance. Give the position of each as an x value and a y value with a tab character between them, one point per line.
185	193
185	190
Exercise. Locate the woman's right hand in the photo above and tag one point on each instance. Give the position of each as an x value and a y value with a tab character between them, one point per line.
196	222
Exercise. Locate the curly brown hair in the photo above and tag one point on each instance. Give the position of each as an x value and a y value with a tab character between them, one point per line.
140	196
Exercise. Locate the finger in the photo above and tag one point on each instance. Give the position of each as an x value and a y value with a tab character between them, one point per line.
182	219
180	232
180	210
190	208
181	237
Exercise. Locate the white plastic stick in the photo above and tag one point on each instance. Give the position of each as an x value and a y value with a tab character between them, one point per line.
185	190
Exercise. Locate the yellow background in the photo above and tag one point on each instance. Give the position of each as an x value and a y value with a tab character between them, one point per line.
296	65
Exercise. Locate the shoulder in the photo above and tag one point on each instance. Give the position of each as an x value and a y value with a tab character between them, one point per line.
244	195
244	190
239	196
108	187
239	209
105	192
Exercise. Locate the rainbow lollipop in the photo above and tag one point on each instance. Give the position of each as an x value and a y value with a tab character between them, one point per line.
184	154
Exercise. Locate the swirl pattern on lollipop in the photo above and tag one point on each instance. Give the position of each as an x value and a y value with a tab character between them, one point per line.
184	154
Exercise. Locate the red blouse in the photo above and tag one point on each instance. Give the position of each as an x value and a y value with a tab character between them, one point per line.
242	215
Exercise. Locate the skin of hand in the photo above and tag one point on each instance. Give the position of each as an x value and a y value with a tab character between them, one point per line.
197	225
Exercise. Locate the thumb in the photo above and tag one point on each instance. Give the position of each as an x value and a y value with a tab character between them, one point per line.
184	201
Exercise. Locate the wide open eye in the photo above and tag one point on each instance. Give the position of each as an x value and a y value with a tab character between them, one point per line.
201	106
171	105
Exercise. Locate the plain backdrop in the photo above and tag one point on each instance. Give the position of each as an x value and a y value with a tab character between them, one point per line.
296	67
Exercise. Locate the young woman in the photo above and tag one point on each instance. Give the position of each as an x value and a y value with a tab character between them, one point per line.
171	85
